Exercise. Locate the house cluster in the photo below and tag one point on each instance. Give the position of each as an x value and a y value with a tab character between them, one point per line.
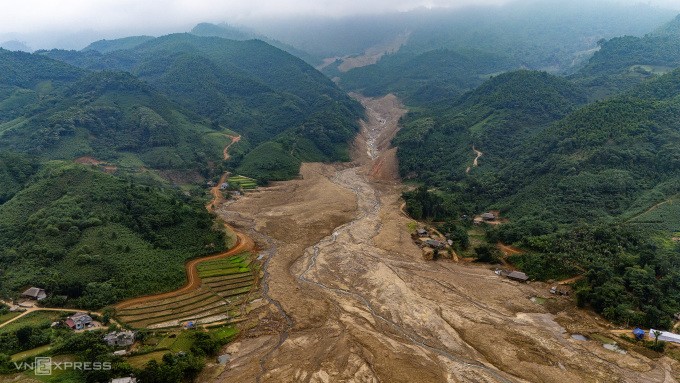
432	244
513	275
79	321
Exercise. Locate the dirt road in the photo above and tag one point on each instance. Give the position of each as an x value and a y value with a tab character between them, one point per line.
243	243
351	299
234	139
34	309
475	162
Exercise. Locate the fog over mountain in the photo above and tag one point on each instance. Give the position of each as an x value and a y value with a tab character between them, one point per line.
72	24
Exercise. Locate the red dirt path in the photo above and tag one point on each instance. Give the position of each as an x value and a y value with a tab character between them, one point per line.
243	243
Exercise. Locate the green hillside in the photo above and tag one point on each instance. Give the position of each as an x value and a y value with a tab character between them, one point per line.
112	116
248	87
144	110
496	118
427	77
105	46
624	62
577	182
227	31
71	222
15	171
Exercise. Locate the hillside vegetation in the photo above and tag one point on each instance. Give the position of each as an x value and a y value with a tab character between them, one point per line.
142	108
112	116
569	177
72	221
427	77
248	87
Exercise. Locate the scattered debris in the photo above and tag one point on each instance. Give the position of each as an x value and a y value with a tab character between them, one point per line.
614	347
128	379
560	290
488	216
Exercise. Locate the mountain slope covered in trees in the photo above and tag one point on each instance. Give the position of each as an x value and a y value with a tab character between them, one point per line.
143	108
71	221
248	87
571	177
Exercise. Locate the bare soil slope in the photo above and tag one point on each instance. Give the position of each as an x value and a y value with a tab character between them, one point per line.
351	300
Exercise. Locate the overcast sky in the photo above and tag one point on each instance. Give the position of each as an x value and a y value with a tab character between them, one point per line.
38	15
66	19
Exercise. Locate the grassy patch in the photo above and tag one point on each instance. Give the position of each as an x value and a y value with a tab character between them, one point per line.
31	353
4	318
35	319
664	217
183	342
224	333
139	361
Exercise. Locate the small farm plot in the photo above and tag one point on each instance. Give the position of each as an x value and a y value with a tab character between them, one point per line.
243	182
665	217
226	285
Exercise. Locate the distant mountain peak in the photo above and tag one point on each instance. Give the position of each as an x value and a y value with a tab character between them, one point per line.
16	45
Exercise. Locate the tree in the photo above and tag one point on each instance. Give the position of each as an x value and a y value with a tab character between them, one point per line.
657	334
487	253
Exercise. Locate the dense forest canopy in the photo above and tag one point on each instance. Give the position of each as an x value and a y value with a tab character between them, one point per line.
576	180
248	87
71	221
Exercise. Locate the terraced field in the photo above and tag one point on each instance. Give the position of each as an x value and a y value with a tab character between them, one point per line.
226	285
243	181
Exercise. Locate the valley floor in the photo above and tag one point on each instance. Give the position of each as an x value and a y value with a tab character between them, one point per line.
350	298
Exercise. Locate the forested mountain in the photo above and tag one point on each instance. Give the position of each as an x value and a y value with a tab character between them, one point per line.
248	87
672	28
572	179
106	46
623	62
539	34
142	108
428	77
111	116
496	118
455	51
229	32
71	222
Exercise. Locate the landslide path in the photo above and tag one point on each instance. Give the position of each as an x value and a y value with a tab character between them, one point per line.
361	305
243	243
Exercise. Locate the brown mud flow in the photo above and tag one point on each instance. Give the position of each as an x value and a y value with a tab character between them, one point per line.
350	299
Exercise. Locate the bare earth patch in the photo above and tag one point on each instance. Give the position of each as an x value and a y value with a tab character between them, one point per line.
349	298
